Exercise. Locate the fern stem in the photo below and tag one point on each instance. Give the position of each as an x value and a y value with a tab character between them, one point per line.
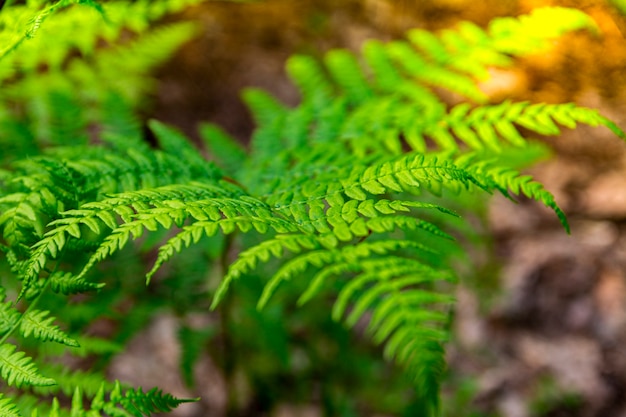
228	360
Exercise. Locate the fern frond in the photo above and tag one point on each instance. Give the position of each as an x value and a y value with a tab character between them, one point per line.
265	109
192	234
18	370
530	33
87	346
67	380
82	73
97	216
140	404
114	400
391	223
311	80
378	270
90	345
140	56
351	257
9	315
67	124
229	214
248	259
8	407
511	181
45	186
34	25
411	172
334	200
223	148
413	64
296	267
175	143
346	72
37	324
20	221
468	49
66	283
396	67
409	320
357	227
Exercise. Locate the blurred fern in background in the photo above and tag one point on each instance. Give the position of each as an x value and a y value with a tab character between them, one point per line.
74	68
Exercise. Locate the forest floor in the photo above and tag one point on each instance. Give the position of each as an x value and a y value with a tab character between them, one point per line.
545	334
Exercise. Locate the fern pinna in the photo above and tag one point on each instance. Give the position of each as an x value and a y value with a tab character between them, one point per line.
348	193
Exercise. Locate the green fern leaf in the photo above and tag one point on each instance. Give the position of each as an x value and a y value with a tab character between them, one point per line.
224	148
139	404
293	268
37	323
18	370
76	409
386	76
306	73
411	62
265	109
530	33
193	233
347	73
375	270
9	315
67	283
351	256
403	316
8	408
68	380
175	143
162	200
510	180
119	124
248	259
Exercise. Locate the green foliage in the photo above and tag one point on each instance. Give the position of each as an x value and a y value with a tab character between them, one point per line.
57	85
69	69
348	198
619	5
116	402
7	408
18	370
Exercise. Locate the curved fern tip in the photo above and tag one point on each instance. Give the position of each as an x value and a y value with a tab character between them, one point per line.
614	128
219	295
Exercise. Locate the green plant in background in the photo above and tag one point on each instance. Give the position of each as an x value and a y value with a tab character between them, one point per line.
619	5
346	202
73	66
